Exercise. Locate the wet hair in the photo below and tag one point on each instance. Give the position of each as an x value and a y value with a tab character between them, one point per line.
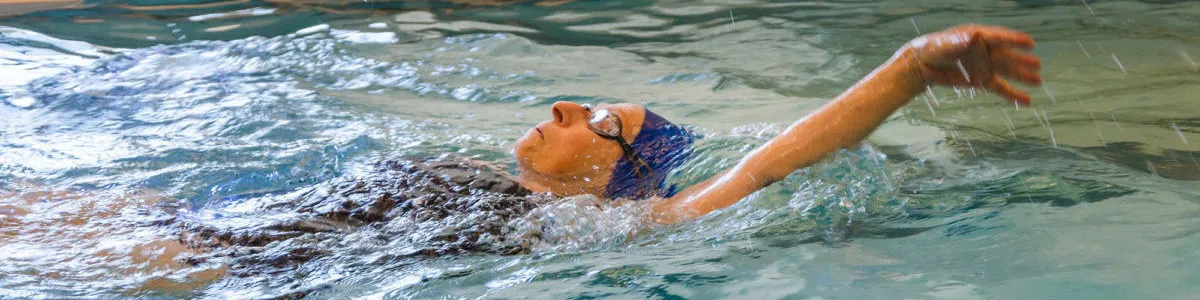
468	205
663	146
398	212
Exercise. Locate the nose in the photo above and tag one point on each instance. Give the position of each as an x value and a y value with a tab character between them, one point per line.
566	113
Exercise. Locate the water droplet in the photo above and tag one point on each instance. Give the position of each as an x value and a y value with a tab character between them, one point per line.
1194	161
930	106
1038	118
1050	128
1047	90
1053	140
1114	57
929	90
964	72
1009	123
1188	58
968	139
1179	132
1098	132
1085	52
732	23
1118	123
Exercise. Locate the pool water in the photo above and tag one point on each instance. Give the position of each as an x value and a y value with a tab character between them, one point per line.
1091	193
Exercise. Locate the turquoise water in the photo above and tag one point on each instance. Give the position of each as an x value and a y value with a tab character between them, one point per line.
1089	194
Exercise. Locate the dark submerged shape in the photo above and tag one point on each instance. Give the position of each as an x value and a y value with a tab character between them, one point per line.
448	206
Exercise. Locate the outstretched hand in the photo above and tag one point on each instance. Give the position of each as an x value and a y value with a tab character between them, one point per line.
978	56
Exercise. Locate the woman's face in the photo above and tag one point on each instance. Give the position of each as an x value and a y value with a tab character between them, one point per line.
563	156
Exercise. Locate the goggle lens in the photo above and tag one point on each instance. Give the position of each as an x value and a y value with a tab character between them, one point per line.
605	123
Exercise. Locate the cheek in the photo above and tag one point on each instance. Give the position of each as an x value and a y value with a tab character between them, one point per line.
566	158
580	157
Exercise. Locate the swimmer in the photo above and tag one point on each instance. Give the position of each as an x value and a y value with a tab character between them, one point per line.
625	151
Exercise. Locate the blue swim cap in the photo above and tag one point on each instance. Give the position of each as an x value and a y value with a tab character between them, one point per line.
664	147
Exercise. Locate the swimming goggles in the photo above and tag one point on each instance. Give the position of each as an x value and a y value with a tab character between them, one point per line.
608	125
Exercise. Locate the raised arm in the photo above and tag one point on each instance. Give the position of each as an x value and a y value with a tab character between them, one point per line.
970	55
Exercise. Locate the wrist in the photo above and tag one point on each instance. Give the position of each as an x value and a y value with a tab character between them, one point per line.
908	61
905	73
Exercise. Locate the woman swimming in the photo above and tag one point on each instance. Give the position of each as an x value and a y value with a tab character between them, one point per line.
586	150
617	151
624	151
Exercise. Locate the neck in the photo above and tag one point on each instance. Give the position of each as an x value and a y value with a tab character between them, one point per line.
533	186
562	187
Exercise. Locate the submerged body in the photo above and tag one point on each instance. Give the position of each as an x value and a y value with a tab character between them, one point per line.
476	208
477	198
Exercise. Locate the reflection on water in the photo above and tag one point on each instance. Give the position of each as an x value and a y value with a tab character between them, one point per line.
117	118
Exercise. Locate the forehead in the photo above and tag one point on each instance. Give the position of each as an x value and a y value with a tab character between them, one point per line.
622	109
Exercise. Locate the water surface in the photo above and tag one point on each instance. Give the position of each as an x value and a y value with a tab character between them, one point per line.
1090	193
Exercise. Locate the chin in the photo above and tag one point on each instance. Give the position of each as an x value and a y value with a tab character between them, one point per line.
524	149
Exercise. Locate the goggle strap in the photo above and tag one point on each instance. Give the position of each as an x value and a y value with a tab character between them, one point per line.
637	161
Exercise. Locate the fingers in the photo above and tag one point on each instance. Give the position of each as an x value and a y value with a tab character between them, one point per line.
1020	66
1021	59
1000	37
1025	76
1008	38
1002	88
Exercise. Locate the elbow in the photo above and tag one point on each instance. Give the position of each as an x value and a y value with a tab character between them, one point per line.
670	212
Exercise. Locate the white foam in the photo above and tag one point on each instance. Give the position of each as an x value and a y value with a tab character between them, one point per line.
23	64
359	37
313	29
252	12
